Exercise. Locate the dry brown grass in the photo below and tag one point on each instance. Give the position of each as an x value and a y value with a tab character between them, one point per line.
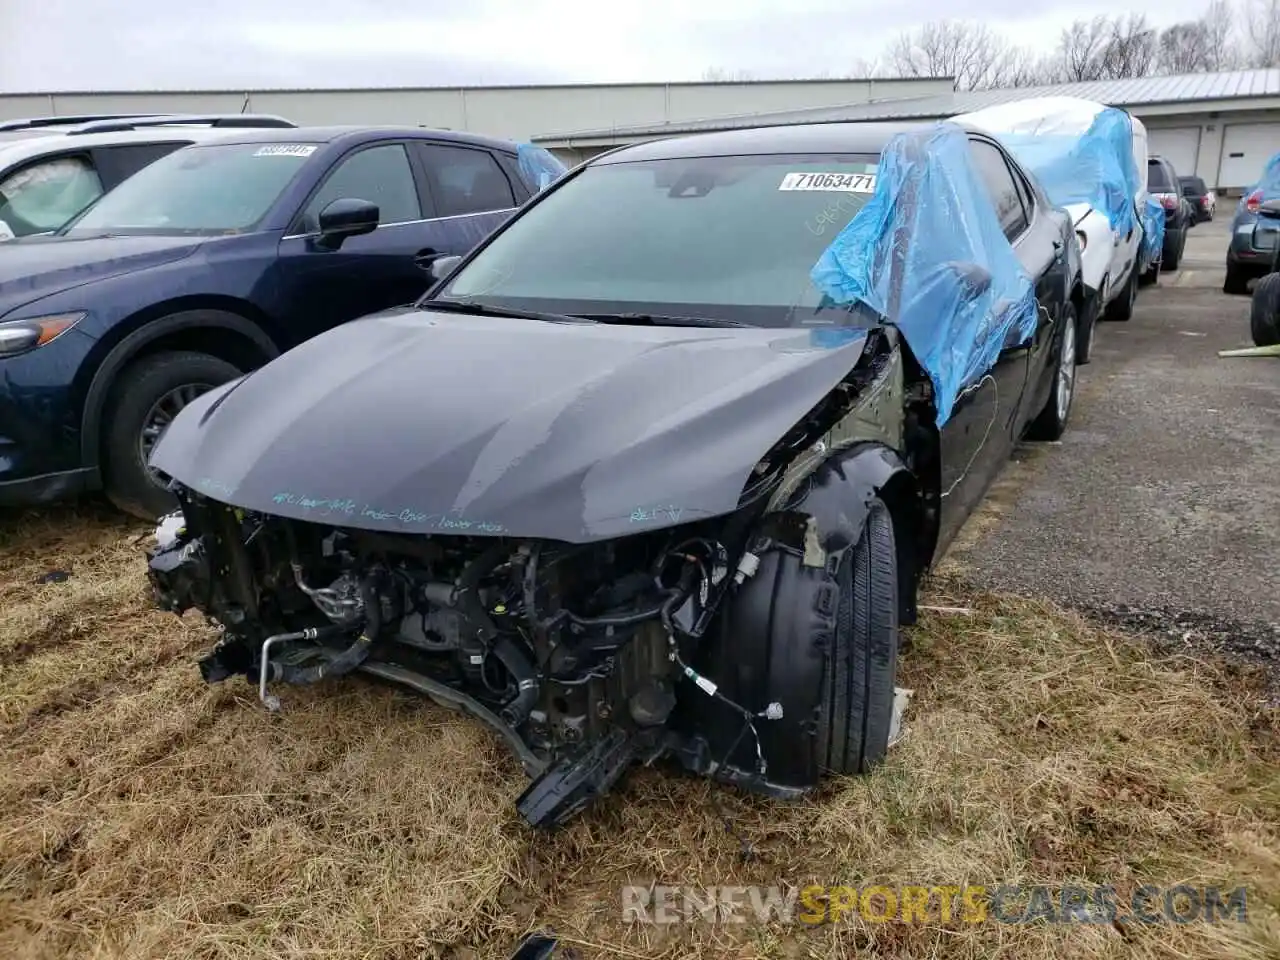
145	815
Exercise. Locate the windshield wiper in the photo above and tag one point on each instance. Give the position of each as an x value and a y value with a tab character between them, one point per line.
479	308
658	320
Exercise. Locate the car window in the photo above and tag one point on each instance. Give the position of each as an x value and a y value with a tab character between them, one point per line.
1024	194
43	196
202	189
117	164
466	181
731	237
1004	195
1158	178
380	175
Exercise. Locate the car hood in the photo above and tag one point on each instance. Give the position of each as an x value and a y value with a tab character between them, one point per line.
421	422
35	267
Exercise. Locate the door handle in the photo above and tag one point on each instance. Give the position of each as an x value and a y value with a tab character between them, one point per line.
425	257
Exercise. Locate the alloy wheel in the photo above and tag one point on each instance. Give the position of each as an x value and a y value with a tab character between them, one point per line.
167	406
1067	369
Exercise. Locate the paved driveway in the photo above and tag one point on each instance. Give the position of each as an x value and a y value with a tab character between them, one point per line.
1161	504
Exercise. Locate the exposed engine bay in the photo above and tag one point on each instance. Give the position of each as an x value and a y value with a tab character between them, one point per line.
585	657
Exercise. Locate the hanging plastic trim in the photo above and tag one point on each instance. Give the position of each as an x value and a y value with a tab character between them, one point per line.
928	253
539	165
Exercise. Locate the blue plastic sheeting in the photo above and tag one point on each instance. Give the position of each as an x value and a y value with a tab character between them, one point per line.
1152	230
1094	167
539	165
918	254
1269	182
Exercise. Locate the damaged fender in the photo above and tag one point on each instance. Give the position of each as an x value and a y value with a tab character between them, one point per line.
772	638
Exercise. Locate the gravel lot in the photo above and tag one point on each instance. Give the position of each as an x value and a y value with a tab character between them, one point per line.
1160	508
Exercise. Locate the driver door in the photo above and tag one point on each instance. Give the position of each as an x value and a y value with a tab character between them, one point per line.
320	288
976	440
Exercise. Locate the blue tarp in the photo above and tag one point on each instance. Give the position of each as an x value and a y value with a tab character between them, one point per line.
539	165
1094	167
1269	182
917	254
1152	231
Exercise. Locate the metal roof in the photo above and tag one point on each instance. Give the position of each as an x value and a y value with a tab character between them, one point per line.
1184	88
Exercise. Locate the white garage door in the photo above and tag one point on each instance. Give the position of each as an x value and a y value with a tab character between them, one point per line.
1246	147
1179	145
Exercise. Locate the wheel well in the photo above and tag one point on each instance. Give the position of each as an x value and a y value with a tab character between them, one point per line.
221	342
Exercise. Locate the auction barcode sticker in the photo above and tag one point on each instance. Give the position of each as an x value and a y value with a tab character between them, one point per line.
846	182
286	150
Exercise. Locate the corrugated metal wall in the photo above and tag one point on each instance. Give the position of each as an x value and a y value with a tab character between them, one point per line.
516	112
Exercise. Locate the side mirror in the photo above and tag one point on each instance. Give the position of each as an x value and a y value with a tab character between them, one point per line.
975	280
1270	209
441	267
345	218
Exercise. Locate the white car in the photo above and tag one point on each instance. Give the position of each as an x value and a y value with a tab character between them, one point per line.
1110	261
51	168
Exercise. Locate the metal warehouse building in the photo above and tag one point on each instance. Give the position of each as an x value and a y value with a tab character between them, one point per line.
516	112
1221	126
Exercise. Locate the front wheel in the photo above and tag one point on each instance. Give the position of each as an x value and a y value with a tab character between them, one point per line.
855	716
1051	423
1237	281
147	395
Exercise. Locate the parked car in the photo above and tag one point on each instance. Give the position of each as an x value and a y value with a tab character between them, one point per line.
1089	158
51	168
1204	202
1162	183
207	263
686	428
1253	238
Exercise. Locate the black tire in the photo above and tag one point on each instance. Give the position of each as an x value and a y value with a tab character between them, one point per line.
1151	276
1173	245
137	389
1264	311
1121	308
856	707
1237	281
1051	423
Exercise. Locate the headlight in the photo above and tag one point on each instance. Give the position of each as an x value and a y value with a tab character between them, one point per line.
1084	241
19	336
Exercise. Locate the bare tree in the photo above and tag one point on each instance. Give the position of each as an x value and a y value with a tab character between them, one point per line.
1218	23
721	75
1130	51
1184	48
970	53
1081	47
1262	31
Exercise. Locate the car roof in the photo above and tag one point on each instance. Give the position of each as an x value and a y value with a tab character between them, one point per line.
868	138
19	145
334	134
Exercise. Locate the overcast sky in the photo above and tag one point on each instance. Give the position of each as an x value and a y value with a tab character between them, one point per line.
62	45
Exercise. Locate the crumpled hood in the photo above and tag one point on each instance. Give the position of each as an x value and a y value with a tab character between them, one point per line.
422	422
35	267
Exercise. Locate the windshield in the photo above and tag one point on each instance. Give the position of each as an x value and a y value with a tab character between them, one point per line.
730	238
224	188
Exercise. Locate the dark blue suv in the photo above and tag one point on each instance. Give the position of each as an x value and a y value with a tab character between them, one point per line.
207	264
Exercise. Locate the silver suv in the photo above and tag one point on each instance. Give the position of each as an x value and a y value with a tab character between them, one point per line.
51	168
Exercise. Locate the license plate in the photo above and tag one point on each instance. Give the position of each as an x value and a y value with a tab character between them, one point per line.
1264	236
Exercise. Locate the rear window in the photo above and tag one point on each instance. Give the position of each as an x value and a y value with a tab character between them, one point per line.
1158	177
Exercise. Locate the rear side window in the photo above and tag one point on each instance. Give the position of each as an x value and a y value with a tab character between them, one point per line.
380	175
466	181
117	164
44	195
1004	194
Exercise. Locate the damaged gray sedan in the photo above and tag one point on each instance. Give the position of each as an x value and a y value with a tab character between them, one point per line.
655	471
